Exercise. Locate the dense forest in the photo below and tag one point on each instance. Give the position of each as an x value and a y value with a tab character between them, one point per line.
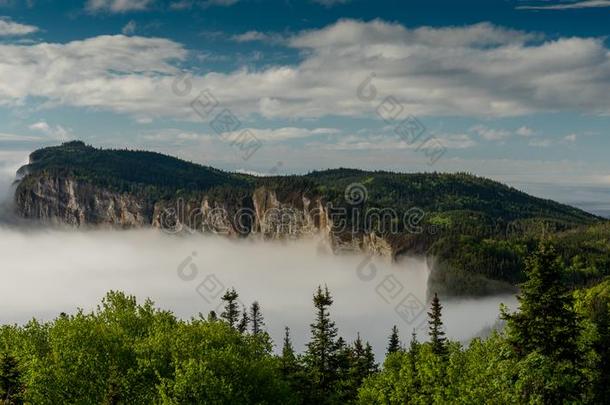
479	231
554	349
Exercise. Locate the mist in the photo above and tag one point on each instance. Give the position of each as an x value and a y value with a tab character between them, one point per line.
45	272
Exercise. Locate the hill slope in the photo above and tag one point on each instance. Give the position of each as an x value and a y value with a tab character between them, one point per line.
471	225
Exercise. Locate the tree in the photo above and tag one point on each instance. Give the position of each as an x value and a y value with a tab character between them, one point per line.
257	318
11	386
436	332
231	311
394	343
546	321
243	323
320	356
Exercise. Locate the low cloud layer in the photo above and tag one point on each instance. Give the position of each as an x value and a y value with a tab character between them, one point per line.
46	272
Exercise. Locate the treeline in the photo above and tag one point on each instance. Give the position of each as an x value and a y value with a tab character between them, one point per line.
554	349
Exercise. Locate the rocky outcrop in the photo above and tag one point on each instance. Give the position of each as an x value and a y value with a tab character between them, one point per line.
65	201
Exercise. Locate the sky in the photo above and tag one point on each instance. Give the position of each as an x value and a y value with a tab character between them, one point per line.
512	90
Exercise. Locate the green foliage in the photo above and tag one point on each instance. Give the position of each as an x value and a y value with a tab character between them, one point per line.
437	334
125	353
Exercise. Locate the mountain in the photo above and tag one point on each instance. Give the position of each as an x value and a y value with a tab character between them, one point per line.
473	229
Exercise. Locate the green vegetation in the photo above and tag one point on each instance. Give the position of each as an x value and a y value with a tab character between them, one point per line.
555	349
476	229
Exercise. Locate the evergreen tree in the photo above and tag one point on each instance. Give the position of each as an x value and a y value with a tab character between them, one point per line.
320	356
394	343
257	318
288	358
11	387
212	316
231	311
437	334
243	323
546	321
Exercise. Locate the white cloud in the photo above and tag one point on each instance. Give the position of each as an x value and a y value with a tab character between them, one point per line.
56	132
11	28
477	70
525	132
18	138
570	138
117	6
491	134
129	28
540	143
188	4
568	6
251	36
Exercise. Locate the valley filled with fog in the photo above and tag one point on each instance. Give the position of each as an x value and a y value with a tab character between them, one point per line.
48	271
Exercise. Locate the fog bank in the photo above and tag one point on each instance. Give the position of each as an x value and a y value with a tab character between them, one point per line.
45	272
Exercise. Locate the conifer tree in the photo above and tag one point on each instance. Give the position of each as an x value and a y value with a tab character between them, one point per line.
231	311
212	316
256	318
436	332
243	322
546	321
288	357
320	356
394	342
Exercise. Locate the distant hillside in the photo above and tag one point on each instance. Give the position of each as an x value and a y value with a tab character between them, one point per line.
475	229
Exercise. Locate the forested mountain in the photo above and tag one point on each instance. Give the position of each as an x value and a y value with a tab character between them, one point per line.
473	229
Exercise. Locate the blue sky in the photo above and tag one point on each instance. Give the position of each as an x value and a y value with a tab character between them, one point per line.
513	90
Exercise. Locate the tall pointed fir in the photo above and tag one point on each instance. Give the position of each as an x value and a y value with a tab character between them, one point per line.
231	309
394	341
320	356
436	332
244	321
256	317
546	321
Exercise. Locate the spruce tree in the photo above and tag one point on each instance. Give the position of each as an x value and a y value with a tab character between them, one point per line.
436	332
288	358
243	322
231	311
256	318
320	356
394	343
546	321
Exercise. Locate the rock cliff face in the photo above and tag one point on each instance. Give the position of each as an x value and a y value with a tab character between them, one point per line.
61	200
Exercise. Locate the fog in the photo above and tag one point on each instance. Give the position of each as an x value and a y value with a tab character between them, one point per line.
45	272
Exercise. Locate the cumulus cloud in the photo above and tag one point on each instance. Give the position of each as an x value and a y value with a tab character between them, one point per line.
525	131
568	5
11	28
117	6
56	132
491	134
476	70
129	28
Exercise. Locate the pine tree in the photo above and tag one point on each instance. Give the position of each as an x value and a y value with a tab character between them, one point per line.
394	343
413	355
212	316
231	311
546	321
11	386
243	322
320	356
437	334
257	318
